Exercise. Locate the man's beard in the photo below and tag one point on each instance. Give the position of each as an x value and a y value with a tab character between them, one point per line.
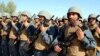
73	23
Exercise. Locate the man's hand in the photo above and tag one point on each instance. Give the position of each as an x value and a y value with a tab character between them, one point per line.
98	30
4	33
28	41
80	34
57	48
12	23
13	37
4	24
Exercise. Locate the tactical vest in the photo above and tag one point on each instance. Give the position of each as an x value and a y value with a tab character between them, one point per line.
93	29
2	32
11	41
24	35
96	37
75	49
12	31
40	44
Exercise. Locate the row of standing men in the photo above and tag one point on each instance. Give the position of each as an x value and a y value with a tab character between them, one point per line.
44	36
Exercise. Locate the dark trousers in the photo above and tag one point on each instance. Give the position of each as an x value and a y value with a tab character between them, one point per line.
14	49
22	50
5	48
41	53
0	46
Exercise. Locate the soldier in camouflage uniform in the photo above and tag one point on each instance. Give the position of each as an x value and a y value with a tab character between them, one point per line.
46	35
5	34
0	34
74	34
36	21
26	34
65	20
14	35
92	22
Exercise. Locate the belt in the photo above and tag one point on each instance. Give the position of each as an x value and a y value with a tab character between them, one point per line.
41	50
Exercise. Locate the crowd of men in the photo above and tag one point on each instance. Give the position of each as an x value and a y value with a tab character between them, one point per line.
44	36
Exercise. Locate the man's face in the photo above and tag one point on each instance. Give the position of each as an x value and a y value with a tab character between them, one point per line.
50	21
24	18
73	16
14	18
4	17
41	18
92	21
65	21
36	20
60	23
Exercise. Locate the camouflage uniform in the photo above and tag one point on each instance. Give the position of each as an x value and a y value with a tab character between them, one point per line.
95	34
0	34
5	34
14	35
44	39
26	36
77	47
65	20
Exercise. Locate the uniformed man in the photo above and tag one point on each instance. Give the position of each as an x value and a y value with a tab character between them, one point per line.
76	41
5	34
0	34
61	35
57	21
14	35
85	21
60	23
46	36
36	21
99	23
26	34
65	20
99	20
62	28
92	21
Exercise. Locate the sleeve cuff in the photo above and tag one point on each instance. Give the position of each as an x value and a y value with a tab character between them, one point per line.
85	40
43	33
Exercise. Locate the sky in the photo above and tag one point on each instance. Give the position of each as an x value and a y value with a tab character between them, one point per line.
57	7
